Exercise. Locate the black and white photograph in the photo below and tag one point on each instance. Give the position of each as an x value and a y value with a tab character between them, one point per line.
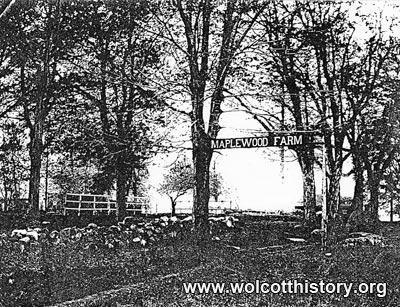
205	153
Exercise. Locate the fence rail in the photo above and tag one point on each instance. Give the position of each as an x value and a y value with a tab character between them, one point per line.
102	203
215	207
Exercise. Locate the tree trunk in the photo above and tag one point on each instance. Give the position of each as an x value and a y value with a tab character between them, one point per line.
334	191
373	186
309	199
358	198
173	206
121	190
202	154
391	207
35	154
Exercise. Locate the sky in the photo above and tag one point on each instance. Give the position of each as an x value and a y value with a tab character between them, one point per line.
253	176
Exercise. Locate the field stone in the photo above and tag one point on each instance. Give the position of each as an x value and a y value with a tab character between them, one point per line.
164	218
33	235
44	234
302	230
91	246
128	221
77	236
54	234
19	233
360	241
90	231
216	219
296	239
114	228
149	226
365	237
229	223
317	232
25	240
65	232
187	219
158	230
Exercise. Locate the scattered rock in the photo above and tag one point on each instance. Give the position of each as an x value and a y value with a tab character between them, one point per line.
296	239
65	232
360	234
229	223
45	223
19	233
363	238
92	225
174	219
91	246
128	221
187	219
216	219
54	234
114	228
33	235
317	232
25	240
164	219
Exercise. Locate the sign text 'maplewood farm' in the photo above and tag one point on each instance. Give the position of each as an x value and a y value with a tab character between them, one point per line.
264	141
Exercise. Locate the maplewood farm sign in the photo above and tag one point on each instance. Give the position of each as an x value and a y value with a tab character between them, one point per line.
264	141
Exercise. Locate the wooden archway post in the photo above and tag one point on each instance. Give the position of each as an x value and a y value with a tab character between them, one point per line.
324	219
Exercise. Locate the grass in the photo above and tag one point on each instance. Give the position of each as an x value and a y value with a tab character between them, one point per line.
154	276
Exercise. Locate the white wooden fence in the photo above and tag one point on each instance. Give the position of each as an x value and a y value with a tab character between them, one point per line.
102	203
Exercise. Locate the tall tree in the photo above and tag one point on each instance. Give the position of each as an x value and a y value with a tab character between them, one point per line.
370	91
111	73
38	44
180	180
214	33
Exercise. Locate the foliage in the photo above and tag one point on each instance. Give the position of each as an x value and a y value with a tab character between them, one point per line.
180	179
81	87
13	166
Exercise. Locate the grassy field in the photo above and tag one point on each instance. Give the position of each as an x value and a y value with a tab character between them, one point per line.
75	275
